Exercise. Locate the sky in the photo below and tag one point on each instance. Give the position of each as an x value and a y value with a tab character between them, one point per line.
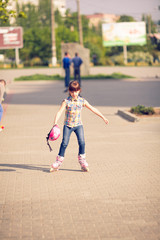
133	8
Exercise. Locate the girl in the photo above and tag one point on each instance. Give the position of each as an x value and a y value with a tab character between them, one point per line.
72	123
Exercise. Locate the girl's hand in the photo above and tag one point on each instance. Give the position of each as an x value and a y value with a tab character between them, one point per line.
106	120
96	111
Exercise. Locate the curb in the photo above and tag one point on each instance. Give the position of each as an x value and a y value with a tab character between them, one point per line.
128	116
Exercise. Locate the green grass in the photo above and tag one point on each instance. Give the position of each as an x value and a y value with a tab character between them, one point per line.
39	77
112	76
58	77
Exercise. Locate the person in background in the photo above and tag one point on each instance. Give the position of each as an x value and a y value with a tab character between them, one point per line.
77	61
2	90
94	59
66	66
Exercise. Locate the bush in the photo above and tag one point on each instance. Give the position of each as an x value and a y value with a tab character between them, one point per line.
105	61
36	61
142	110
140	57
118	59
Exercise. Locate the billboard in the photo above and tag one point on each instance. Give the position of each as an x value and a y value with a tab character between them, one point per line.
11	37
124	33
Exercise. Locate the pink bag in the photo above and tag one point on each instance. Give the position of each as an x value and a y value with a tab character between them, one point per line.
53	135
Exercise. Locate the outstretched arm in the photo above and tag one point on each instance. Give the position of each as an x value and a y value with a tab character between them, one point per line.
96	111
62	107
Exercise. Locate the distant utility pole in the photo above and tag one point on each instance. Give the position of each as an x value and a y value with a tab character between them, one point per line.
149	23
54	58
79	24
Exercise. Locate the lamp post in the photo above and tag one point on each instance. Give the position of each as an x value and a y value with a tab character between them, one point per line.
79	24
54	58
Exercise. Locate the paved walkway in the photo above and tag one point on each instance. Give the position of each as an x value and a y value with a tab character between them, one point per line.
119	199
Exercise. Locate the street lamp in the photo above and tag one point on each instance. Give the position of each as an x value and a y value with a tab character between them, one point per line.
54	58
79	24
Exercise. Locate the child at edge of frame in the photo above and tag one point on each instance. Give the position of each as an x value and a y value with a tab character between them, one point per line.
72	123
2	91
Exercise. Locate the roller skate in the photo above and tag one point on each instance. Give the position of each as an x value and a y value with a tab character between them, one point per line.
1	128
56	165
83	163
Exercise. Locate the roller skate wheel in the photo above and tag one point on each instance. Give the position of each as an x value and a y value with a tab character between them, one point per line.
53	169
85	169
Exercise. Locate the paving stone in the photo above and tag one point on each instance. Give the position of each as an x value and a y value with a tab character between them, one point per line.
117	200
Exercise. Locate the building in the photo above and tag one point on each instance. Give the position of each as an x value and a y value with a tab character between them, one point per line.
97	18
20	2
61	6
58	4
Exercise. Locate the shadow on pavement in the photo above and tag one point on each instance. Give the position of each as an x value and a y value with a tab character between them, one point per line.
98	93
70	170
7	170
30	167
23	166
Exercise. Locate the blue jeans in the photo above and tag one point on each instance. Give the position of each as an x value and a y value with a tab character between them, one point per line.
1	111
77	75
67	77
66	136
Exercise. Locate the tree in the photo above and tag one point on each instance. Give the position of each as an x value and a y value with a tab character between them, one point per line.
32	16
58	18
37	43
150	26
64	34
44	11
71	20
126	18
6	14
